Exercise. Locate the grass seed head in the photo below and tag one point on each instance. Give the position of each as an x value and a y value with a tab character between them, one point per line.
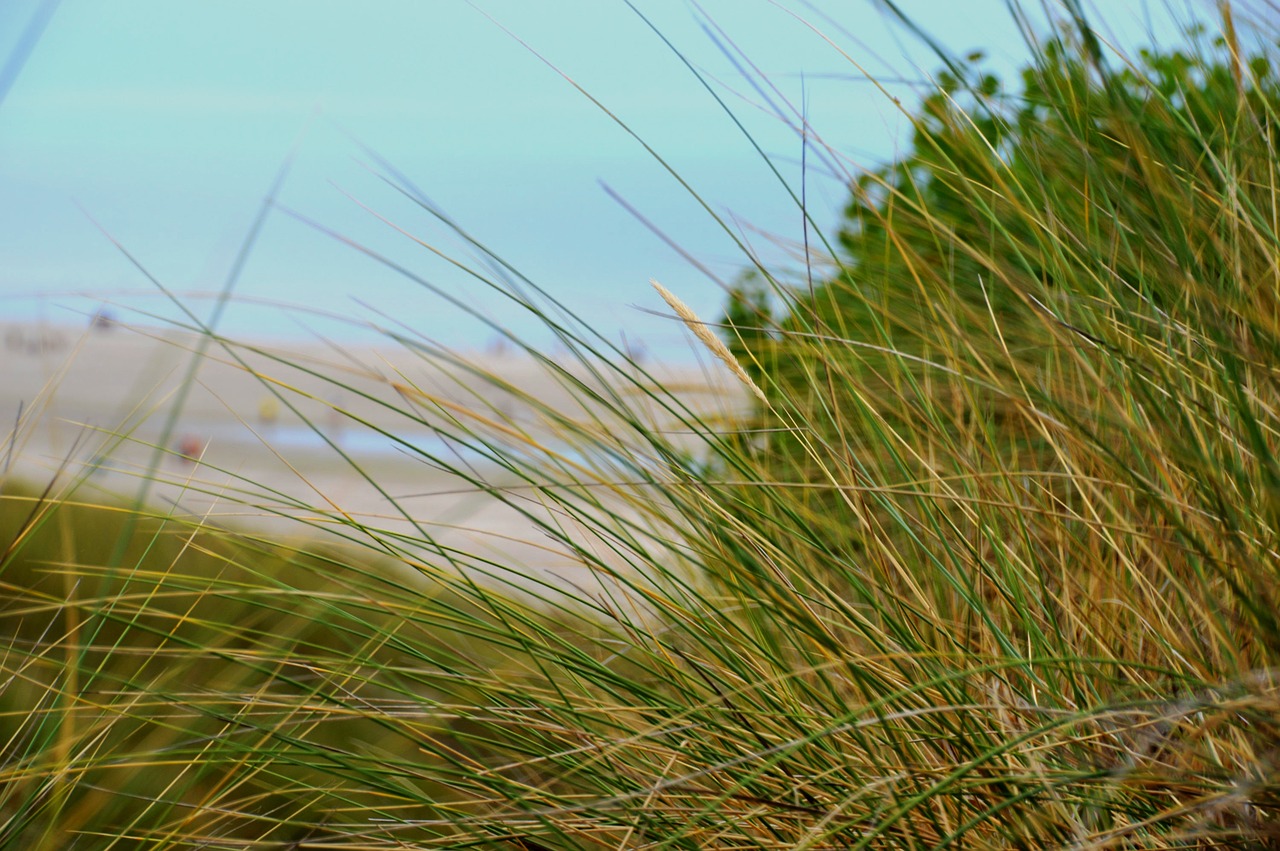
710	340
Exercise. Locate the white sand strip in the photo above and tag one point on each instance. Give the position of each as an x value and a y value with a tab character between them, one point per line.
96	401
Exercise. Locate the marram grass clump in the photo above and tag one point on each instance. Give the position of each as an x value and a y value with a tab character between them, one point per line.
992	564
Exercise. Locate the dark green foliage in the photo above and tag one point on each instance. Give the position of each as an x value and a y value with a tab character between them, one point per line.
1132	164
1023	234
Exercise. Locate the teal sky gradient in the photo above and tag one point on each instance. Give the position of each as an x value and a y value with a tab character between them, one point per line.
166	122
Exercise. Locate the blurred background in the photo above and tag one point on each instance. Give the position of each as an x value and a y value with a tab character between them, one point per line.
162	126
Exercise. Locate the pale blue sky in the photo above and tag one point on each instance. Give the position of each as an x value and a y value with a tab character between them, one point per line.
166	122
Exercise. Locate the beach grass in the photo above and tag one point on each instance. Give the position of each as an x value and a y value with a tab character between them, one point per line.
978	552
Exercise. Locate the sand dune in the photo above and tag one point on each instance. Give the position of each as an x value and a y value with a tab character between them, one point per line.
269	426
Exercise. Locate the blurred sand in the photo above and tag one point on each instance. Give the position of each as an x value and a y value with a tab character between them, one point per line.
91	406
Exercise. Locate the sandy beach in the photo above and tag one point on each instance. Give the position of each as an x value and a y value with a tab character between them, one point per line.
297	439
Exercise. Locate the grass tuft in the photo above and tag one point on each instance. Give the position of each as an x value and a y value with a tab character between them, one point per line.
988	559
